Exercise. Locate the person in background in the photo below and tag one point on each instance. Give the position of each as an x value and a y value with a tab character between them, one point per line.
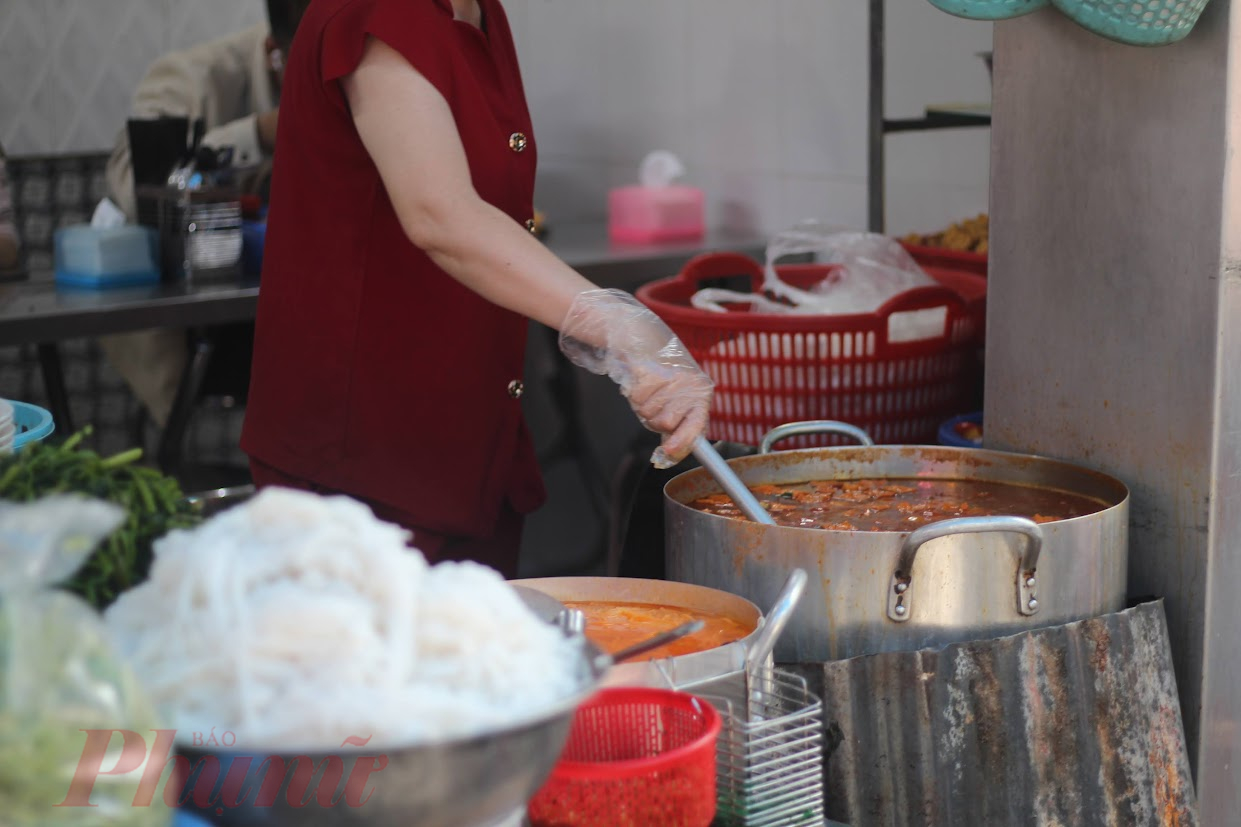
400	272
233	85
10	246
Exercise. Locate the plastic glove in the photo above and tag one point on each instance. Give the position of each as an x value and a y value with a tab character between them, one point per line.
609	332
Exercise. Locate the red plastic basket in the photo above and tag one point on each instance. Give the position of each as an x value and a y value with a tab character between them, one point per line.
945	259
636	757
775	368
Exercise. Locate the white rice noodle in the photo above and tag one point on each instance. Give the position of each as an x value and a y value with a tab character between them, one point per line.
296	621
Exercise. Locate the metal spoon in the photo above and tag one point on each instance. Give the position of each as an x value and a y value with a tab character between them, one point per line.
545	606
604	661
715	464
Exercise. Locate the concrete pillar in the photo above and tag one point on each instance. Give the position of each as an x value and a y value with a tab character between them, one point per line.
1114	329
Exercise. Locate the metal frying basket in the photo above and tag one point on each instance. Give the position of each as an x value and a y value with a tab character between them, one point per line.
769	762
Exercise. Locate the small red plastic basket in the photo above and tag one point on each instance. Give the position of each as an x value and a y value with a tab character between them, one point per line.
636	757
773	368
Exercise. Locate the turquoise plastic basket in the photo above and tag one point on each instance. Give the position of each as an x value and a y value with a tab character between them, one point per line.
1135	22
33	424
989	9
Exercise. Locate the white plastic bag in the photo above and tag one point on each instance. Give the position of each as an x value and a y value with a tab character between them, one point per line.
60	676
871	270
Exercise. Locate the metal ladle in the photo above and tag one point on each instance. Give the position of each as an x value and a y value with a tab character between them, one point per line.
605	660
715	464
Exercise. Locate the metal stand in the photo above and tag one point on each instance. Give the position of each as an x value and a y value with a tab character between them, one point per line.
879	125
172	440
572	443
874	128
54	386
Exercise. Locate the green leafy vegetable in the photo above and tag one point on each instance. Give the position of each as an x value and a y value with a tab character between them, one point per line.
153	502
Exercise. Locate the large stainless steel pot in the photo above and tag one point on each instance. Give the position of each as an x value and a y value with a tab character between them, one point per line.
946	582
679	671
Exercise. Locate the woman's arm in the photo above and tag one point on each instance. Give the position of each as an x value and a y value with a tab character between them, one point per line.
396	108
410	133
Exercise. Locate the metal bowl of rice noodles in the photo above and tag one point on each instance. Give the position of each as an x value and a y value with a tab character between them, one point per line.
473	782
330	676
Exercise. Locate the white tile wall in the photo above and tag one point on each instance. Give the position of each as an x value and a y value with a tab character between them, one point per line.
101	49
195	21
68	68
737	77
764	101
25	113
824	57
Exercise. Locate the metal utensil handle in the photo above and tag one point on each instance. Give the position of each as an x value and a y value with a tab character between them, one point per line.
776	620
714	463
654	642
900	595
815	426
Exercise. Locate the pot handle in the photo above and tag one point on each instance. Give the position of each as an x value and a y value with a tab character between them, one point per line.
900	604
815	426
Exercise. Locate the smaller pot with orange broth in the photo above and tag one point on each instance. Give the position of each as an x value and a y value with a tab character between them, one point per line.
620	611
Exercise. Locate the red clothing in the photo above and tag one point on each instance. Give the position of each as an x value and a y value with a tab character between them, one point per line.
375	373
500	551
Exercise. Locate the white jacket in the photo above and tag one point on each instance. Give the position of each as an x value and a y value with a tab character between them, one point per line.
226	82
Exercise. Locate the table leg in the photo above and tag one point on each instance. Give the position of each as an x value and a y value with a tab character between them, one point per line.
172	440
573	444
54	386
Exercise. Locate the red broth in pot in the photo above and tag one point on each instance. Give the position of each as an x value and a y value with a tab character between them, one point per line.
612	626
901	504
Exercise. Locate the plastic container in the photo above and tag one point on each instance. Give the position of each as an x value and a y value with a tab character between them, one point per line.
645	215
94	257
33	424
636	757
1135	22
8	428
989	9
184	819
771	368
949	435
253	240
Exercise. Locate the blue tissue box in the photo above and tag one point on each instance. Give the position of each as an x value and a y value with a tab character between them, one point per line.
114	257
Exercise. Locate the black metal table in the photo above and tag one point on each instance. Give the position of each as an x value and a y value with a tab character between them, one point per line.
36	311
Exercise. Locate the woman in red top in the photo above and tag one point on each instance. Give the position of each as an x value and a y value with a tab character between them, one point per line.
399	275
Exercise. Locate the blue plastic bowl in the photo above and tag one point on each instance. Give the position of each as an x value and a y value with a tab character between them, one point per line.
948	434
1135	22
989	9
32	423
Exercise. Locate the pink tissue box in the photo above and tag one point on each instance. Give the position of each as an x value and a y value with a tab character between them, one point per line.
648	214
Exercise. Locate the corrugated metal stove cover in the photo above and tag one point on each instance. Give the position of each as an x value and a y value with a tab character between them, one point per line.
1072	725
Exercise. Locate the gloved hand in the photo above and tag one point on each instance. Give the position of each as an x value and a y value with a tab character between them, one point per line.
609	332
